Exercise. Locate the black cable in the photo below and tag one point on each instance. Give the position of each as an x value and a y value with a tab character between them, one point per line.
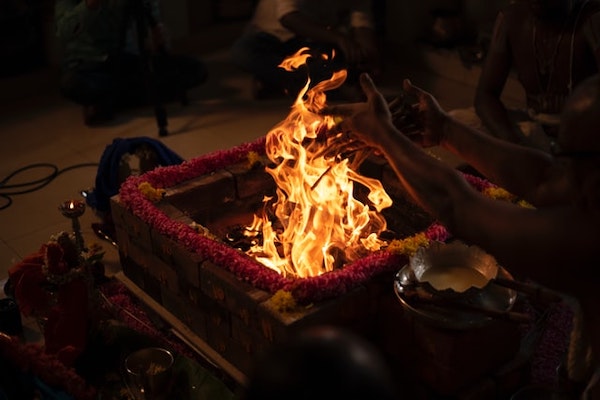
6	190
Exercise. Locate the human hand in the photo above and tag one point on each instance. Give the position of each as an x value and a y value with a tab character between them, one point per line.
368	121
430	116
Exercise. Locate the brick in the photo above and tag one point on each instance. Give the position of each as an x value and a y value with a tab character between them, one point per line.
163	273
218	324
153	287
187	265
350	310
239	298
249	337
137	230
197	320
252	182
199	198
175	304
133	271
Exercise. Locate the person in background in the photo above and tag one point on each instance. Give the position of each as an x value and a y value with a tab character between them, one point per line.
279	28
321	362
115	55
555	242
551	45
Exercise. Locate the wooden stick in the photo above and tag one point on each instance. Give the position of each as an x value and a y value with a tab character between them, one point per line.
206	351
314	185
538	292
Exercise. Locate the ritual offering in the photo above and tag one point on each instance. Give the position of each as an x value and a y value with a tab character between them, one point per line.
452	284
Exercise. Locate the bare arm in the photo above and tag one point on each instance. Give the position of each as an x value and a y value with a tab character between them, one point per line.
529	173
493	77
530	240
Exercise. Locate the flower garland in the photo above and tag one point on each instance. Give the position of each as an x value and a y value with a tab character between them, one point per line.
304	290
33	358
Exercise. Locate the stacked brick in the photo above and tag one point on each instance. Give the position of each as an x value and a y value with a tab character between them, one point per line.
238	320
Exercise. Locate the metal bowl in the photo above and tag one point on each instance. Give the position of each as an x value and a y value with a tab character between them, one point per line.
449	285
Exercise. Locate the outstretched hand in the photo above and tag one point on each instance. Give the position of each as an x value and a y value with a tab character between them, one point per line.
372	120
430	117
367	120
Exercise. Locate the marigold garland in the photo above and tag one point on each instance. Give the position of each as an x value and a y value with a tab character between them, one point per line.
409	245
151	193
283	301
304	290
254	159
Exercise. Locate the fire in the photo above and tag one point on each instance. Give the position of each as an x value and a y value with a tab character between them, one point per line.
322	224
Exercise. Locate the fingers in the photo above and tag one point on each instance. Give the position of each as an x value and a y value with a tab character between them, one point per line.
415	90
367	85
407	86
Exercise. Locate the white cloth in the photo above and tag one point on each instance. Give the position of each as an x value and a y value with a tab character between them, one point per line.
327	12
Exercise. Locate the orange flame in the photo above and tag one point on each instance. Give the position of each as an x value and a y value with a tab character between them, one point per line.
322	225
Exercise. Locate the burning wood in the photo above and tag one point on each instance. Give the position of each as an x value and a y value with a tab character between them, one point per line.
320	225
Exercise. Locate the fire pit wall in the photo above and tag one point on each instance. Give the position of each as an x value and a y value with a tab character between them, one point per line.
238	320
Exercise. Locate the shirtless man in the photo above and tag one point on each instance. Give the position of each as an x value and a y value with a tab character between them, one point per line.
552	45
555	243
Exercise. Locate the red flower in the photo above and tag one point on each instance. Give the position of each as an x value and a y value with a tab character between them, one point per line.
55	258
28	281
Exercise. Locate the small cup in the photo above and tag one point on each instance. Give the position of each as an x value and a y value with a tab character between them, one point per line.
149	373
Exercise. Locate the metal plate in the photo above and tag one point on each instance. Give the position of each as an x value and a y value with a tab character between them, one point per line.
490	297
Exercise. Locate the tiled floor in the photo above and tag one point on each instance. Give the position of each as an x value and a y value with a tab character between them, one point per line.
37	126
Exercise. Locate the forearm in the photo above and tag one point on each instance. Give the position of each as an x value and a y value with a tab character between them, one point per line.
519	169
495	118
433	184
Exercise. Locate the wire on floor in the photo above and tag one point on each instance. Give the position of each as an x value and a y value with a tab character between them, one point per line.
7	191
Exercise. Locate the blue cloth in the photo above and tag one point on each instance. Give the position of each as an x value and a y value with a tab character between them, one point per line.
107	178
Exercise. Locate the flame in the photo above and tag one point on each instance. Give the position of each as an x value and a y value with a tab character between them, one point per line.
322	225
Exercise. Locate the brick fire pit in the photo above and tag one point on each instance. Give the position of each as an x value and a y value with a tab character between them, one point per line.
237	314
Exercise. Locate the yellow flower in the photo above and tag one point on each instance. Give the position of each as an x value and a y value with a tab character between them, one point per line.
499	194
502	194
151	193
202	230
253	158
525	204
283	301
409	245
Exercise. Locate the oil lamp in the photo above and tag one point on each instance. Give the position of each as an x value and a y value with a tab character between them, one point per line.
73	209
